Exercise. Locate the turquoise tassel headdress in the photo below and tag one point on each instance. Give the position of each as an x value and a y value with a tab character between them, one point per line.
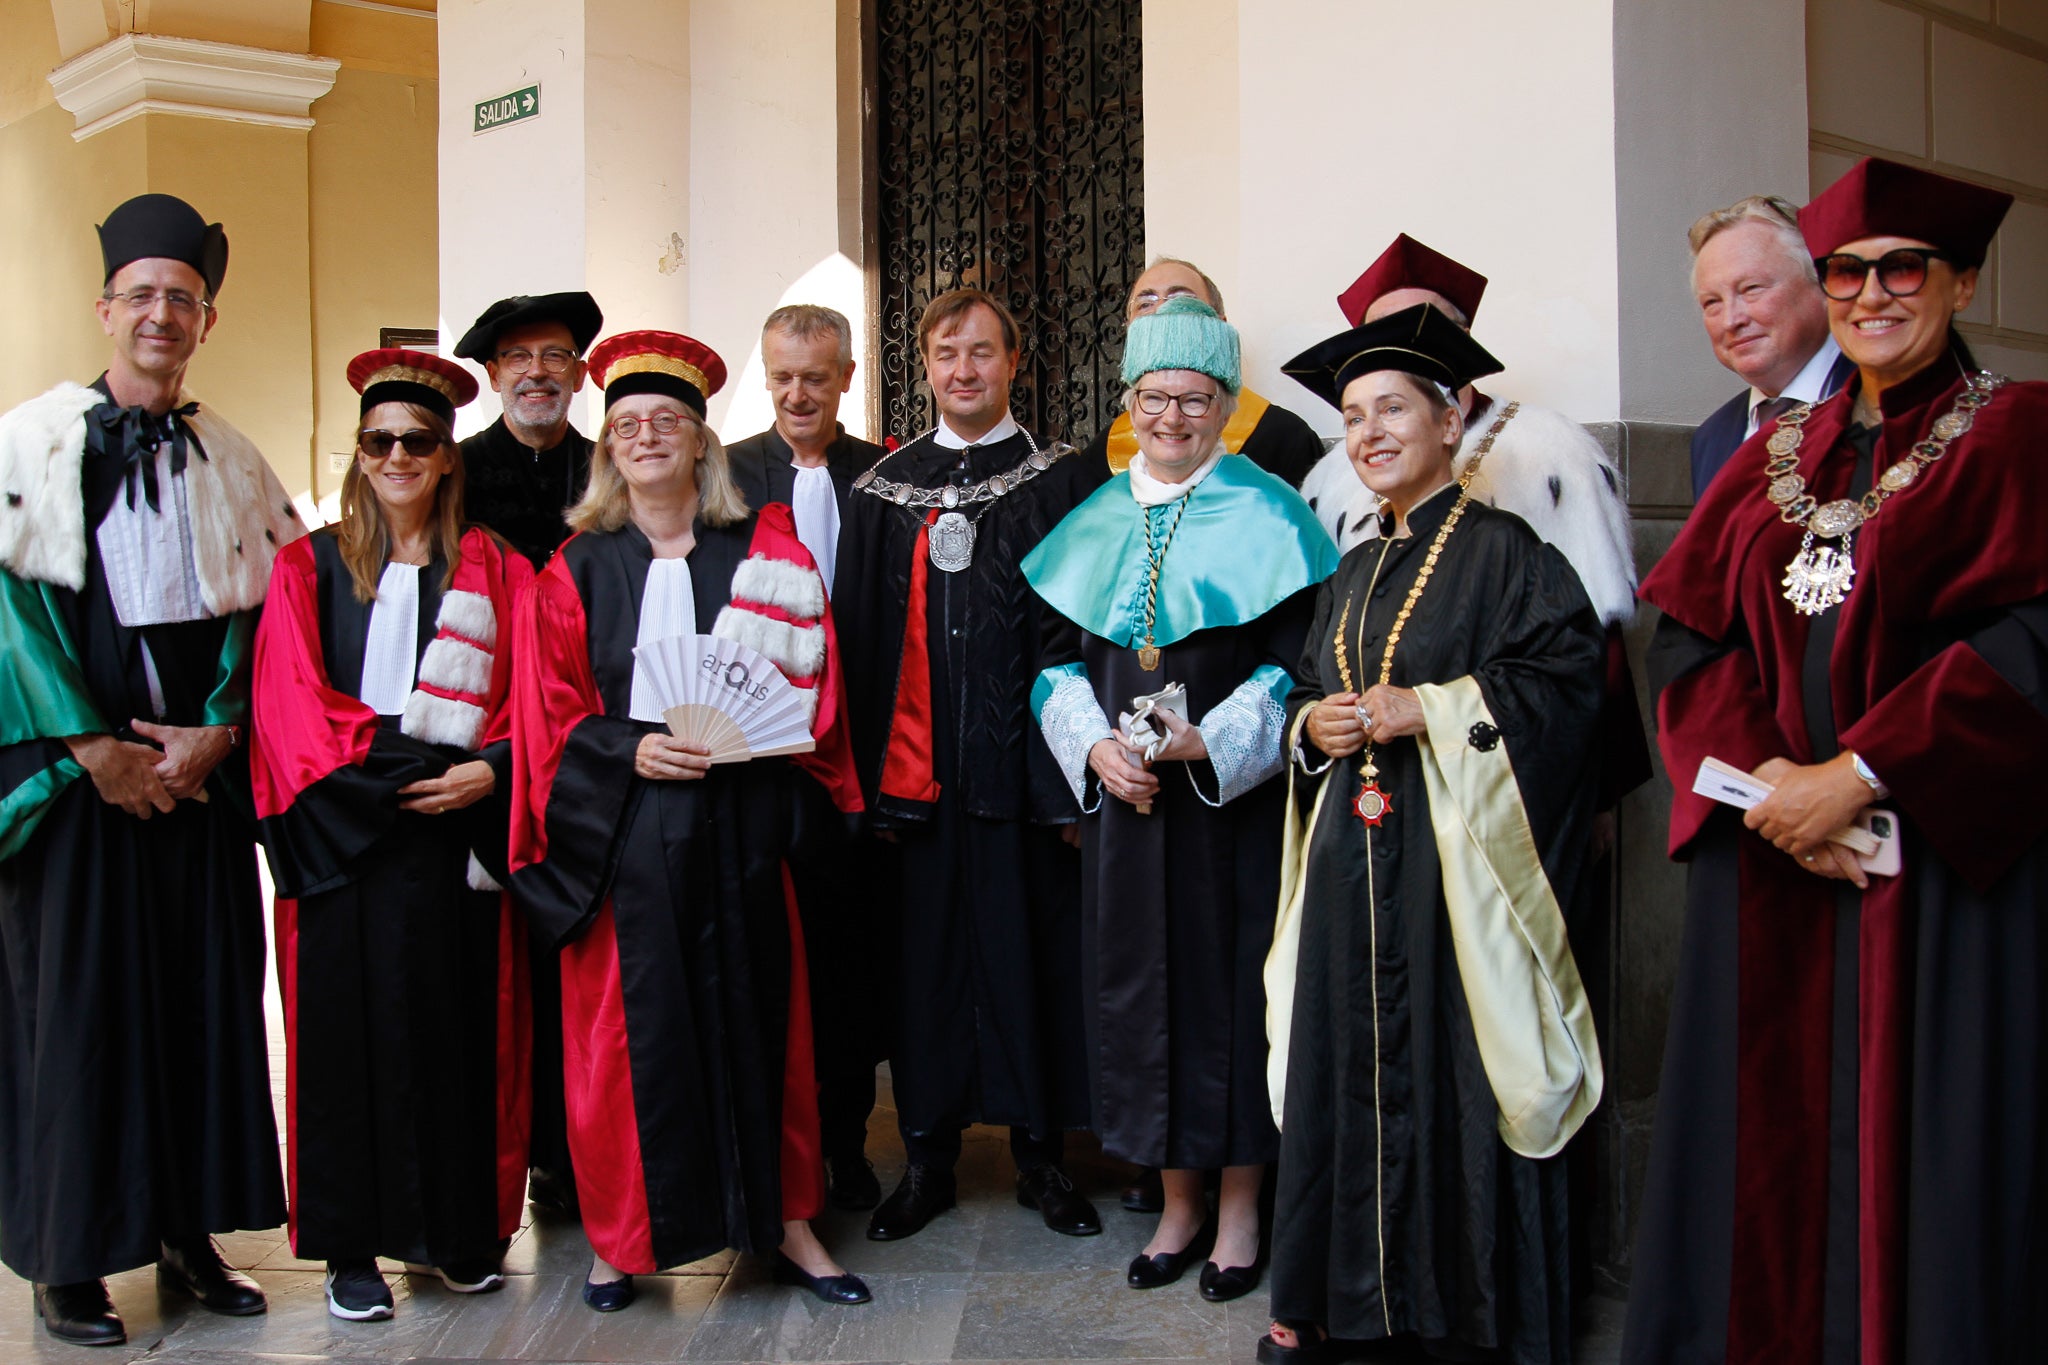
1184	334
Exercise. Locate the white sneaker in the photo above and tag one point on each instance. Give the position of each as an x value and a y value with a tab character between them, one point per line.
463	1277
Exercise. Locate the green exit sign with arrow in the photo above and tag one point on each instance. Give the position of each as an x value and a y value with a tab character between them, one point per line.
496	113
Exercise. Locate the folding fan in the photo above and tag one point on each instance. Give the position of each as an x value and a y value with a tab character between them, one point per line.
726	697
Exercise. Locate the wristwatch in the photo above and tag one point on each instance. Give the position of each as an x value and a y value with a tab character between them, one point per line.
1878	790
234	736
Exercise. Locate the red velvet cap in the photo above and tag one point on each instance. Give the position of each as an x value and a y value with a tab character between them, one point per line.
1408	264
1880	198
657	362
392	374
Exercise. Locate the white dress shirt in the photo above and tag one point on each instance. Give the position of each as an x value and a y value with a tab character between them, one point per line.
1808	386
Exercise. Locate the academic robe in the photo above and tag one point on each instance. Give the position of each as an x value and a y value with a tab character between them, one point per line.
134	1082
1271	437
686	1028
989	946
404	986
1401	1208
1850	1160
1177	905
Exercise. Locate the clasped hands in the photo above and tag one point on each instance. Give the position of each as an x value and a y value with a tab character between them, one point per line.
1335	728
143	780
1807	803
1124	776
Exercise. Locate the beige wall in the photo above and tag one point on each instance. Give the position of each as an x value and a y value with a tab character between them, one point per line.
1962	88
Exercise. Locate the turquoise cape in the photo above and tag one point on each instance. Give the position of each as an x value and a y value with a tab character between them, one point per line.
1247	543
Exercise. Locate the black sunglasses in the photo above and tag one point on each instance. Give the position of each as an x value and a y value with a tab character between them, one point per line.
377	443
1901	272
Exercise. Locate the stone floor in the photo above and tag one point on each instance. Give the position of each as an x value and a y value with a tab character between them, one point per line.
985	1282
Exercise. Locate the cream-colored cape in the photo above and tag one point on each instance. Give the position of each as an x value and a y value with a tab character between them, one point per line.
1529	1009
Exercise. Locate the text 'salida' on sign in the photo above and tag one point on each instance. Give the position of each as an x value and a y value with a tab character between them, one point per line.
499	110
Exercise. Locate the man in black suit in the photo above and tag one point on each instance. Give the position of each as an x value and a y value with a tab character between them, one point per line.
1767	319
808	461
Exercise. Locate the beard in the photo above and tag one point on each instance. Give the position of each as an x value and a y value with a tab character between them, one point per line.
523	412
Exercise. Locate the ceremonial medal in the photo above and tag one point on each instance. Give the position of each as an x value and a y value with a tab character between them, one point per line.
1819	576
952	542
1148	658
1371	804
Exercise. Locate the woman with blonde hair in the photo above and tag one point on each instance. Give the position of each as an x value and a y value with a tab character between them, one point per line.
381	736
691	1096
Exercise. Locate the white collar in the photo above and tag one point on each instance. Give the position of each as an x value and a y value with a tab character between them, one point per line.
1808	386
1150	492
945	437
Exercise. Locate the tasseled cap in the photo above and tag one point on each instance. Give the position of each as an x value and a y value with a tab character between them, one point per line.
163	226
574	309
1182	334
394	375
657	362
1408	264
1880	198
1421	341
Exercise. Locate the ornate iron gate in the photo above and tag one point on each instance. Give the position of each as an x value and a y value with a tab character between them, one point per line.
1008	153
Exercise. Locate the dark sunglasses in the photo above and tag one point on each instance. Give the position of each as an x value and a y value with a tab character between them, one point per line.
1901	272
377	444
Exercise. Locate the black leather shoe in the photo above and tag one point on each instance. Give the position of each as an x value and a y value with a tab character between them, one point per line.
1221	1284
1161	1268
610	1296
81	1313
1145	1194
554	1191
195	1269
837	1289
1045	1187
852	1183
922	1195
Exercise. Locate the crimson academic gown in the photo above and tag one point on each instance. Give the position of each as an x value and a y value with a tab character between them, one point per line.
1851	1153
673	907
404	989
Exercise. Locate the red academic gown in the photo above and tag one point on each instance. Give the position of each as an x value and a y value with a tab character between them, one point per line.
404	984
1851	1152
690	1088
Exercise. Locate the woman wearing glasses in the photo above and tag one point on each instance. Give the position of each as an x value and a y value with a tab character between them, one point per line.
692	1101
1192	568
1849	1156
381	737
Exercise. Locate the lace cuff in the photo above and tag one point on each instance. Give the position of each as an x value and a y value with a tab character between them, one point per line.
1072	722
1246	734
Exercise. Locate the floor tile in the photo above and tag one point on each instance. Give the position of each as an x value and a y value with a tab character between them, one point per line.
914	1317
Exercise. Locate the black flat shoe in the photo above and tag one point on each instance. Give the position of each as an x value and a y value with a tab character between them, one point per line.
923	1194
196	1270
835	1289
1161	1268
1145	1194
610	1296
1066	1210
1221	1284
554	1191
851	1183
81	1313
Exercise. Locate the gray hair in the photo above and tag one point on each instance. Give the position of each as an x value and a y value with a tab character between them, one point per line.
808	321
605	506
1215	294
1780	215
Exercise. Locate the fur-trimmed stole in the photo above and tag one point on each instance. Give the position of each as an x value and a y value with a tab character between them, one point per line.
452	691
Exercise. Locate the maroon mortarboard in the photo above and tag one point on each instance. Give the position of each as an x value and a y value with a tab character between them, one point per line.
1408	264
1880	198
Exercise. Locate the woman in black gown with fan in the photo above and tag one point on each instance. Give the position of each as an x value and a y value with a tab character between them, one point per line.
686	1033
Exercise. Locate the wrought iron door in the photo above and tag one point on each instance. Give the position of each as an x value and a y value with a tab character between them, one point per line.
1008	154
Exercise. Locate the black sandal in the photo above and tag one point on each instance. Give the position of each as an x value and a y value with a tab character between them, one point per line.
1312	1345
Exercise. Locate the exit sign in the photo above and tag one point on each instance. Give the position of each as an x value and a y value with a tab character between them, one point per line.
496	113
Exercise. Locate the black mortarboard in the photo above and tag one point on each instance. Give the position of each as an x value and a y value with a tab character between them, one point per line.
153	226
574	309
1422	341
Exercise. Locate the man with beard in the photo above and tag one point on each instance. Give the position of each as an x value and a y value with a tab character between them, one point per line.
807	460
521	472
942	642
531	463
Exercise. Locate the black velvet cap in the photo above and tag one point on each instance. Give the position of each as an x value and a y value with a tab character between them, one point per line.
1421	341
152	226
574	309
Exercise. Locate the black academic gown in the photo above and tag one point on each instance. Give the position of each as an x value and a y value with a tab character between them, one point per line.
135	1089
1445	1233
989	950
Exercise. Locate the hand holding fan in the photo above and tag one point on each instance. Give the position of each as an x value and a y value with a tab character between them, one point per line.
728	698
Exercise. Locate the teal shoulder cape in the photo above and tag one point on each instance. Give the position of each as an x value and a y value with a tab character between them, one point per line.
1246	543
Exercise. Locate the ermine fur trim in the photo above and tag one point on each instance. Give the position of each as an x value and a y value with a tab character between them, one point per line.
443	720
456	666
799	651
42	516
779	583
469	615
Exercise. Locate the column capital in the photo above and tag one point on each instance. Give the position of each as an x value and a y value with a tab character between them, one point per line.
144	73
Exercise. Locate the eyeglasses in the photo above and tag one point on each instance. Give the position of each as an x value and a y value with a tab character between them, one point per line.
1150	299
1154	402
555	360
663	420
146	300
419	442
1902	272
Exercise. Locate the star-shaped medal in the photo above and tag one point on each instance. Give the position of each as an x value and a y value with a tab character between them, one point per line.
1371	804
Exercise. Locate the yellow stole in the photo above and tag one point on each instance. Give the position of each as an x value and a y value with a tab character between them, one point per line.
1123	442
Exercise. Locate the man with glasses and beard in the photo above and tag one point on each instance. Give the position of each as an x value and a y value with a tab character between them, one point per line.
523	470
531	463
